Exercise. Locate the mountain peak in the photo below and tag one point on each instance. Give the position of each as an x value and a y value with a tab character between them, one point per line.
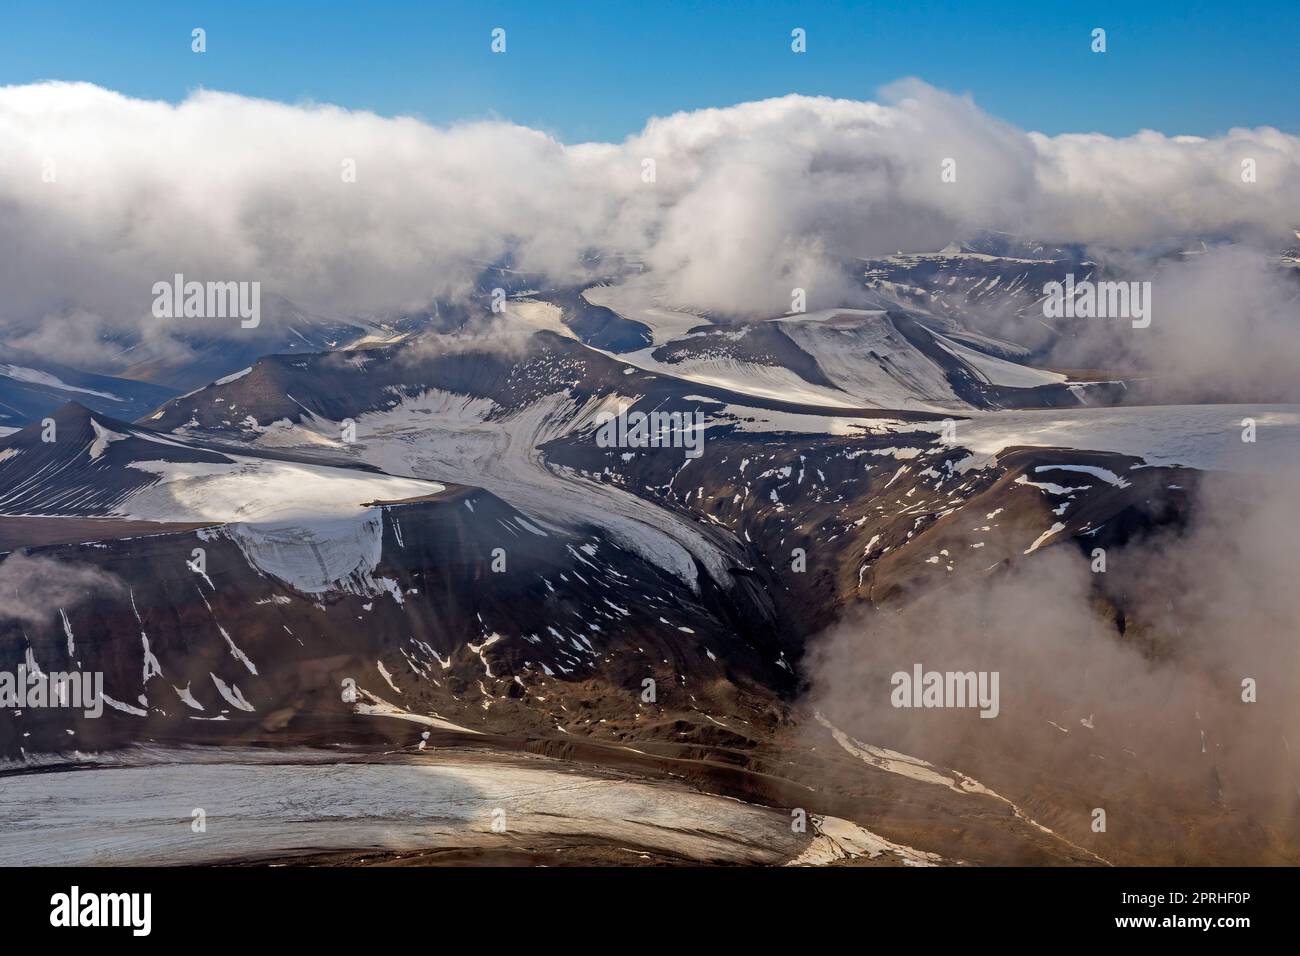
73	413
74	424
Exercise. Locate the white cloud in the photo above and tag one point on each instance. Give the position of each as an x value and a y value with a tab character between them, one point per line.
749	200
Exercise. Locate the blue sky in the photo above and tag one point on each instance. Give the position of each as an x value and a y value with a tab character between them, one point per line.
597	70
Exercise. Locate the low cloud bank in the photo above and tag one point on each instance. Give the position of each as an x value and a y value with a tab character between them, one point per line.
103	195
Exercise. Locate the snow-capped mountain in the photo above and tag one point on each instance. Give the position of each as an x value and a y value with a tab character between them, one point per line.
899	357
424	538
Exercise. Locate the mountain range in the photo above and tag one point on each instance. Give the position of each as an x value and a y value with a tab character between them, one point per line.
381	539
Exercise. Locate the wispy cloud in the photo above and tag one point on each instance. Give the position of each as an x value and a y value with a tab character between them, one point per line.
32	589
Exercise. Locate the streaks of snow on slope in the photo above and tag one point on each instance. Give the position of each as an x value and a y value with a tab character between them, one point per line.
893	762
501	455
923	771
874	364
1051	532
1105	474
1051	488
998	371
378	707
745	378
231	694
103	438
33	377
233	377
